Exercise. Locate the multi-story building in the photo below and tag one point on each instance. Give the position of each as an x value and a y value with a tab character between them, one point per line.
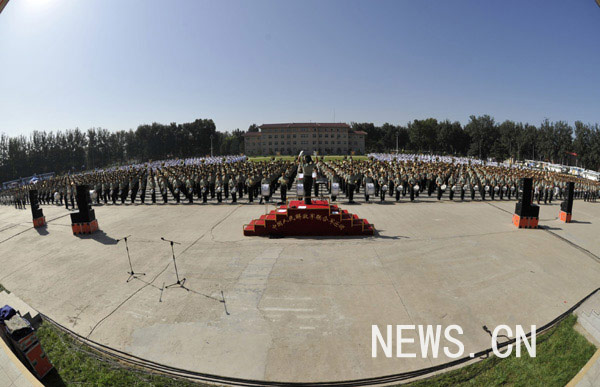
291	138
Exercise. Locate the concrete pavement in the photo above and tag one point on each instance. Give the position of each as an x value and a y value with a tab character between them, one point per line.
298	309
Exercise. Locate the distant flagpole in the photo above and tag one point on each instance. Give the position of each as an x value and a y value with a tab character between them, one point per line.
3	4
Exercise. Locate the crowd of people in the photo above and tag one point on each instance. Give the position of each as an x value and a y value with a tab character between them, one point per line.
230	179
402	175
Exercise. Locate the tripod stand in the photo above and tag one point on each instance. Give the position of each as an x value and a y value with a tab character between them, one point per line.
131	273
179	282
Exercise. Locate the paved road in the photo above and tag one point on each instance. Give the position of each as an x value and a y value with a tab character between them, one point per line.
298	309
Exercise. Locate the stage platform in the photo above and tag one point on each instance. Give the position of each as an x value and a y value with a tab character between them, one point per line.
298	308
299	219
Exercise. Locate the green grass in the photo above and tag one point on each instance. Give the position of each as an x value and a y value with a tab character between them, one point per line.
267	158
78	365
561	353
293	158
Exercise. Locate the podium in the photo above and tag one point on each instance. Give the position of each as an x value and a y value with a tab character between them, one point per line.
299	219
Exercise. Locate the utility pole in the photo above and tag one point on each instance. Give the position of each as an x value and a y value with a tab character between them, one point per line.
211	145
397	142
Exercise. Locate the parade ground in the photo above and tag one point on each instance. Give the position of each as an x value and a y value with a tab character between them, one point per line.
298	309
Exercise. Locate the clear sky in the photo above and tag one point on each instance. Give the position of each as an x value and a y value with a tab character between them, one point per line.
120	63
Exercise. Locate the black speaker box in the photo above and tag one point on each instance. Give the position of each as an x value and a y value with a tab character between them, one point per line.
529	211
567	205
524	208
527	184
86	213
36	211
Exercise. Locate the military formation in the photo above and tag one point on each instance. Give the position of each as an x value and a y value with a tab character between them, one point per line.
391	177
235	179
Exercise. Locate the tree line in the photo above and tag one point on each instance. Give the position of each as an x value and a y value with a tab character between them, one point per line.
76	150
483	137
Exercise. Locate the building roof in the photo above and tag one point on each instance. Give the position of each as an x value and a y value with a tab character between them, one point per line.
306	125
252	134
359	132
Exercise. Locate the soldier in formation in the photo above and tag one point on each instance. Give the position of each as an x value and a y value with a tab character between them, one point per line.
236	179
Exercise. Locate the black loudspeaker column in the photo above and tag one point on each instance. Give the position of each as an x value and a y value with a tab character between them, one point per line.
84	221
39	220
566	206
526	213
527	184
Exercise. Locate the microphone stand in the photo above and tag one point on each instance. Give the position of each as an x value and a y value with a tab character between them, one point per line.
179	283
131	273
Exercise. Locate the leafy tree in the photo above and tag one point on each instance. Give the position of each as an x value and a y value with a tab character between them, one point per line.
423	135
483	133
451	138
75	150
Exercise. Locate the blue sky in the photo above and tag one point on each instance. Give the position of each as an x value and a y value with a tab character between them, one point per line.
117	64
